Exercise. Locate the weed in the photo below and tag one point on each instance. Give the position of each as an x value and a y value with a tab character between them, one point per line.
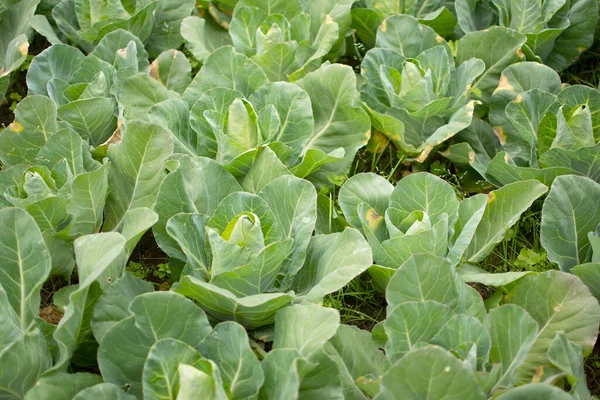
359	303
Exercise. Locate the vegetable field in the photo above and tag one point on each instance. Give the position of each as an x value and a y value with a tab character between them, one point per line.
299	199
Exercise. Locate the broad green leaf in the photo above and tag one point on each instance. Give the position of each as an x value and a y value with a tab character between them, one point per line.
140	24
358	357
240	204
441	20
67	145
590	275
558	302
172	70
490	279
526	113
460	334
429	372
293	202
315	159
136	222
293	107
116	44
425	277
569	214
505	45
166	33
288	9
470	213
25	267
243	75
88	197
425	192
244	26
397	250
35	122
125	346
266	168
58	61
160	378
279	61
193	381
227	346
503	170
368	188
10	329
203	36
136	170
577	37
139	93
103	391
198	185
62	386
22	362
513	332
250	311
404	34
377	92
365	22
305	328
574	130
189	231
517	79
578	95
113	305
94	118
413	323
283	370
208	116
536	391
584	162
321	378
337	10
259	275
174	115
332	261
504	207
49	213
567	357
101	260
338	122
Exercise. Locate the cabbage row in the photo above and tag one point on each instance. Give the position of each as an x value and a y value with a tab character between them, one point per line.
242	171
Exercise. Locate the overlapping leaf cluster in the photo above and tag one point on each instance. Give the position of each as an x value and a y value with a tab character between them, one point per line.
232	171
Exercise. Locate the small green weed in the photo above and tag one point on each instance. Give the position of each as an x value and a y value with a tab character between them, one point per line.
359	303
521	249
161	271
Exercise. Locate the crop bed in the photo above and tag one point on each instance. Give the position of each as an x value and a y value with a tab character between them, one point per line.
298	199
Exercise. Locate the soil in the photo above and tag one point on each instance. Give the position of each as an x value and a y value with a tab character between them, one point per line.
51	315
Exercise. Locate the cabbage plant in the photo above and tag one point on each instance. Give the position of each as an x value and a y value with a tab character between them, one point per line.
367	15
544	129
15	17
418	94
313	127
106	321
247	255
85	23
54	152
557	31
463	350
151	344
286	38
422	214
570	228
